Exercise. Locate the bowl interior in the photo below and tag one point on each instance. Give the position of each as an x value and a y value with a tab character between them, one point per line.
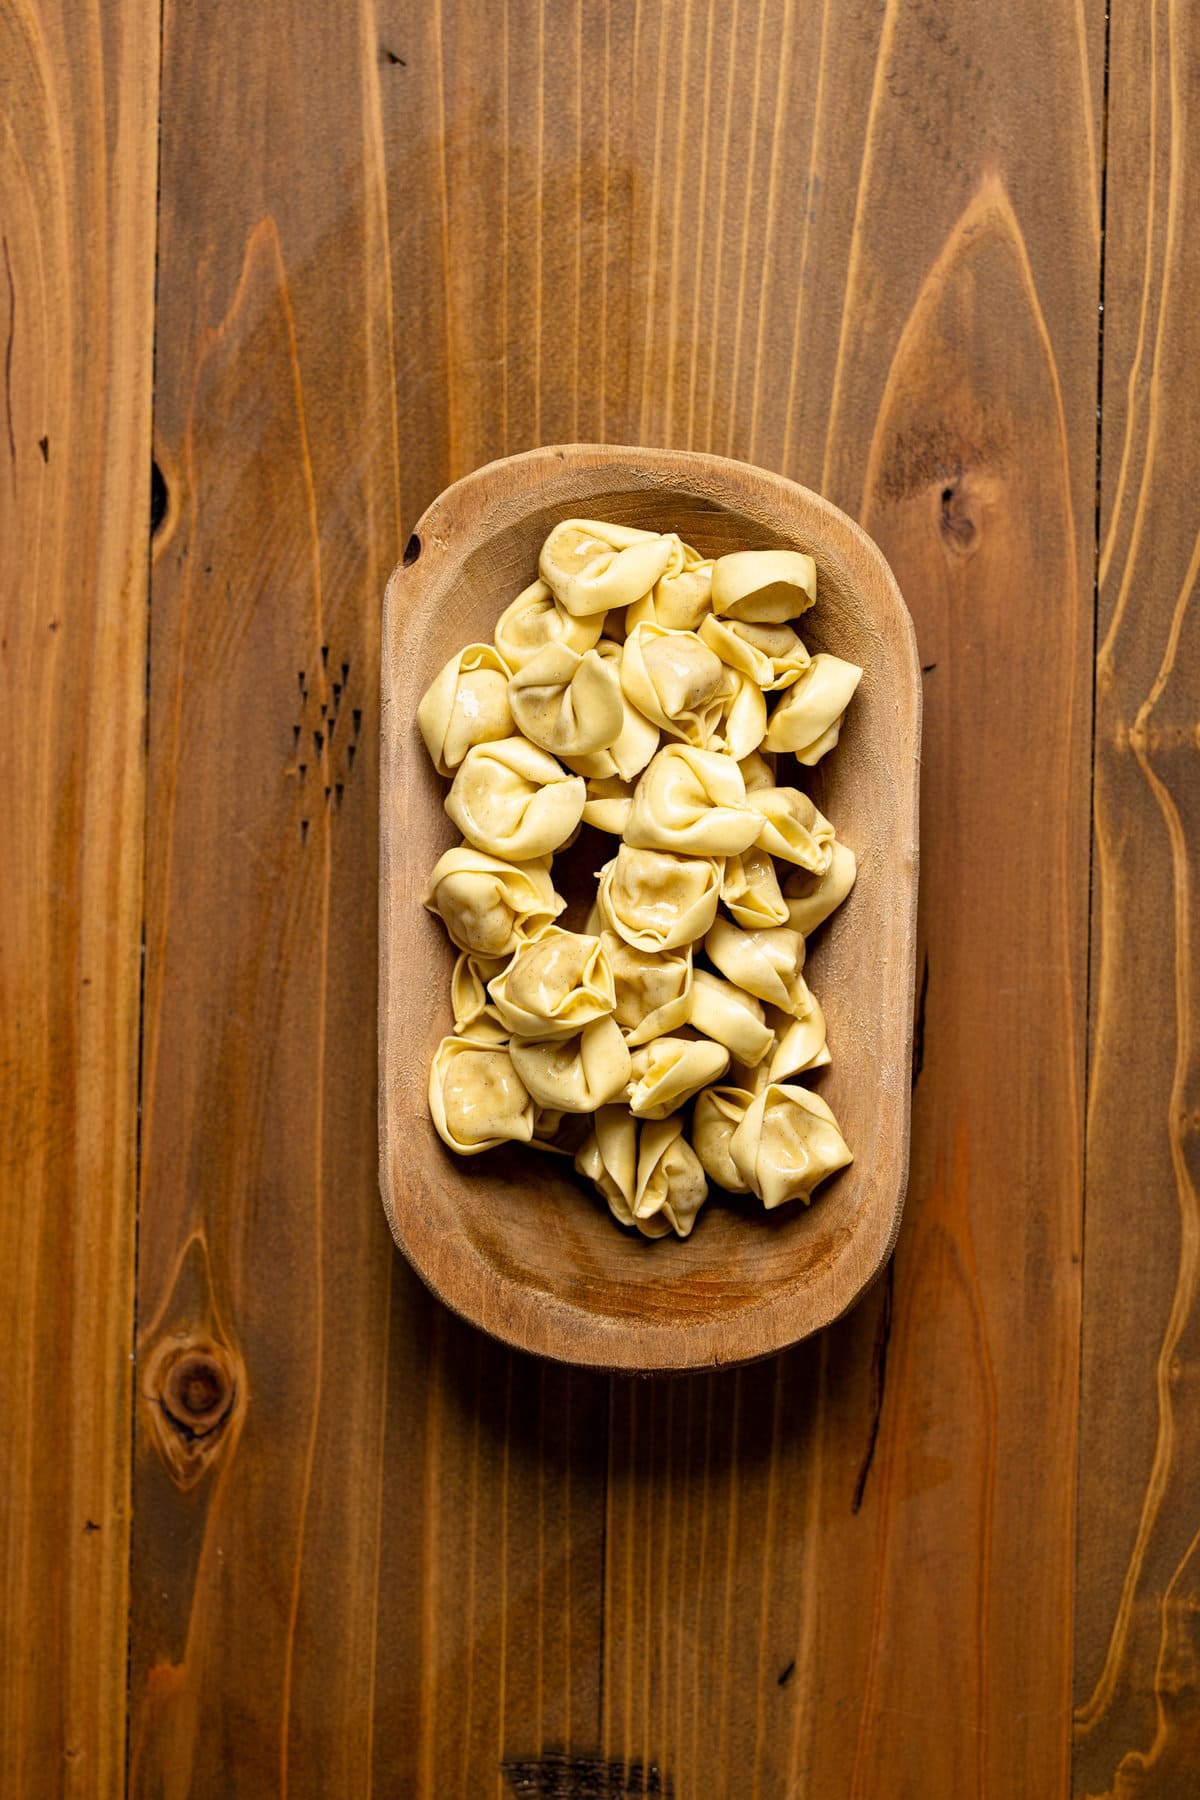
513	1238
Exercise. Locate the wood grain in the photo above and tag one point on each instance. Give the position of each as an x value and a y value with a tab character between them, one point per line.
860	246
514	1242
78	123
1137	1640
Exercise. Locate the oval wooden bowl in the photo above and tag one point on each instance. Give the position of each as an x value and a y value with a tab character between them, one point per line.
513	1240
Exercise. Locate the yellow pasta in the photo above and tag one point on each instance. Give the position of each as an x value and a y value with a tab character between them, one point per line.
626	694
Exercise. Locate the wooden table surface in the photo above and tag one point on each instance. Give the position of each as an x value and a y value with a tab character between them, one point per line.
272	1522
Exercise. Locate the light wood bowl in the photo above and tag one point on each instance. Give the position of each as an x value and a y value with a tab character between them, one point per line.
513	1240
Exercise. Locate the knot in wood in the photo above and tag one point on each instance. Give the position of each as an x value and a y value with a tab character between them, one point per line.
197	1389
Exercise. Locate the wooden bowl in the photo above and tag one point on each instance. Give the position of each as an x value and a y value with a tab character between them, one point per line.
513	1240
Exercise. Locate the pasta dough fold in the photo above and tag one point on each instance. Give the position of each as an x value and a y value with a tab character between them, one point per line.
591	566
793	829
554	985
692	801
808	720
488	905
786	1144
476	1097
569	704
578	1073
764	587
666	1072
535	619
465	704
811	898
514	801
659	901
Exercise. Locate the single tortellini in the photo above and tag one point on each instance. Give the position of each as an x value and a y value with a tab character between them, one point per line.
811	898
658	901
671	1187
765	587
513	800
666	1072
800	1041
682	595
758	770
608	1157
788	1142
742	724
692	801
674	680
730	1017
653	988
751	889
793	828
716	1116
635	742
577	1073
465	704
555	985
591	566
808	720
536	619
569	704
771	655
607	804
768	963
488	905
476	1097
474	1015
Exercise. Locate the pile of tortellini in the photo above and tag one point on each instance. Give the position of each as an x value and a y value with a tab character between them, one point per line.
646	691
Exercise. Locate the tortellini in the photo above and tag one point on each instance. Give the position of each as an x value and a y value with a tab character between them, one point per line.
675	680
653	990
649	1174
765	963
466	704
514	801
808	720
786	1144
477	1098
554	986
750	890
793	829
536	619
656	900
488	905
591	566
716	1116
577	1073
811	898
764	587
568	704
694	801
666	1072
641	691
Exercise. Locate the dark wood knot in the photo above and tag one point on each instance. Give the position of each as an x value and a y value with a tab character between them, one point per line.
197	1389
411	551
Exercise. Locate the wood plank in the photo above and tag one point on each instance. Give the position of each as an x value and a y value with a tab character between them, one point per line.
78	126
1137	1642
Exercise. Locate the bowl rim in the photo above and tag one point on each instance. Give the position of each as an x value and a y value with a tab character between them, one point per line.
550	1326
